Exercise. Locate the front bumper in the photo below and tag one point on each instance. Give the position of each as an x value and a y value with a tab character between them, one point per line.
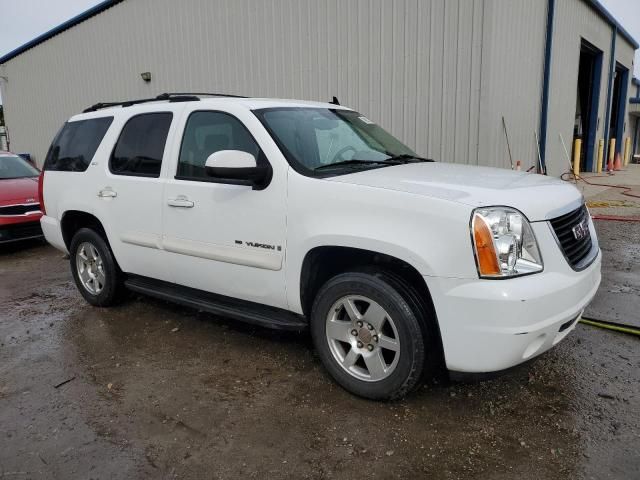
492	325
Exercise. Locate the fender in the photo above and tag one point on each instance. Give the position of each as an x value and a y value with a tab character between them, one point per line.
296	259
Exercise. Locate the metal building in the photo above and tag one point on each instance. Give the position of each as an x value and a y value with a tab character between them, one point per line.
440	74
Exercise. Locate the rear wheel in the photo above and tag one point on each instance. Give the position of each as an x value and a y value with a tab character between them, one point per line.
368	335
94	269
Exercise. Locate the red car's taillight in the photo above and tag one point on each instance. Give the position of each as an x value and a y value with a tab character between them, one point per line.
40	192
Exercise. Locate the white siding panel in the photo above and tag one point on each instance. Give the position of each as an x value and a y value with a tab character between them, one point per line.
511	84
412	65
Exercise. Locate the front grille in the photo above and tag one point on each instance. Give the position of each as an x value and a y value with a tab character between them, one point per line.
20	209
10	233
575	249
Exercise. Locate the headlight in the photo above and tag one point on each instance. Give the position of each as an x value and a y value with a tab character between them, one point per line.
504	243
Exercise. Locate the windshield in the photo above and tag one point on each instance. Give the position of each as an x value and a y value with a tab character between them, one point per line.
316	139
12	166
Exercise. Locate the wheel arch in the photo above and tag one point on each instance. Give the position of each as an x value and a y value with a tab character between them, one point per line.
73	220
323	262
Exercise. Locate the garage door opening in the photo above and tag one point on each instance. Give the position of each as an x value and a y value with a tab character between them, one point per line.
618	105
588	97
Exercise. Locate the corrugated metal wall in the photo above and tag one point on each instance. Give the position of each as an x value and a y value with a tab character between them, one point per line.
439	74
575	20
513	60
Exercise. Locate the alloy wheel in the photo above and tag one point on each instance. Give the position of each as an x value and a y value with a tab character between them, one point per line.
363	338
90	268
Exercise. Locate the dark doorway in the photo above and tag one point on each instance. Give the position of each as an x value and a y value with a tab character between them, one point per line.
588	97
618	105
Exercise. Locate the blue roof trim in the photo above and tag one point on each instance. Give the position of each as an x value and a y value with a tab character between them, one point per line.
95	10
601	9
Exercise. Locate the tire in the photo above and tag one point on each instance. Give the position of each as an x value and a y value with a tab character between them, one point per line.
391	360
435	369
107	287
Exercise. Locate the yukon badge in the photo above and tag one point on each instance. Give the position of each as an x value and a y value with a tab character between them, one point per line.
266	246
581	230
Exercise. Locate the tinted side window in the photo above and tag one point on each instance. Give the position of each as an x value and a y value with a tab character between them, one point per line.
141	145
210	132
75	145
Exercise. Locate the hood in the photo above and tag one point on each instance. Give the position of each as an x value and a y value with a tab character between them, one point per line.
537	196
19	190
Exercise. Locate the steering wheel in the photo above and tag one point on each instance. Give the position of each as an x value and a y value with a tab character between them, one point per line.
341	152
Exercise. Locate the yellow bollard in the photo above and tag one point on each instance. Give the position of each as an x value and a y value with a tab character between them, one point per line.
577	147
612	154
600	155
627	150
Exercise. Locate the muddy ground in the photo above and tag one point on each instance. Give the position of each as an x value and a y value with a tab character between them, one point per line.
214	399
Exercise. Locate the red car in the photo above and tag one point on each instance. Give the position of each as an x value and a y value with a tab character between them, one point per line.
19	199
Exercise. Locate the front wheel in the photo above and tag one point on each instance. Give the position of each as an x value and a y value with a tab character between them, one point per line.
368	336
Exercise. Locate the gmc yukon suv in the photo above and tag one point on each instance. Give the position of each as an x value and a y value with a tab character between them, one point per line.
299	215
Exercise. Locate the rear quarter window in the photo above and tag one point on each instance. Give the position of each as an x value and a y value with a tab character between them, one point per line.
75	145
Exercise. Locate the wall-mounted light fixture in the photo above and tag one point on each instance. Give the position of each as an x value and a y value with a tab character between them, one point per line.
146	76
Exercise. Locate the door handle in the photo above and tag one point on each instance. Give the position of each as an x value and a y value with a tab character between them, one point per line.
180	201
107	193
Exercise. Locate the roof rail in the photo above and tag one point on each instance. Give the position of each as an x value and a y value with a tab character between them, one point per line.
171	97
209	94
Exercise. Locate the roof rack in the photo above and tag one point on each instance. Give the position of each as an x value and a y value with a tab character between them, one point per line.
209	95
171	97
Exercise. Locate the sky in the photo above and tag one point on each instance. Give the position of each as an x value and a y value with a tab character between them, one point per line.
23	20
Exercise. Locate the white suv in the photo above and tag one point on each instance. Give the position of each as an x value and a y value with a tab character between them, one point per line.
296	215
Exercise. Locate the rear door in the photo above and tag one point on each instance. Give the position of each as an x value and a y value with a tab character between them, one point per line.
129	195
225	239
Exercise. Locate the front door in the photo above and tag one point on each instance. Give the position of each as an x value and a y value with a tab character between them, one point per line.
225	239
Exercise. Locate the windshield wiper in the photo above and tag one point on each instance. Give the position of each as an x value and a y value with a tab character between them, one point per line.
392	160
406	158
353	162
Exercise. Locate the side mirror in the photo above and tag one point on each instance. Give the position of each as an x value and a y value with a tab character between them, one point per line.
235	167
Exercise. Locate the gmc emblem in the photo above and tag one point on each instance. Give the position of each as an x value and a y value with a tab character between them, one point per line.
581	230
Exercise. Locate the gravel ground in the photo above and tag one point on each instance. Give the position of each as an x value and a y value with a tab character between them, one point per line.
158	391
618	299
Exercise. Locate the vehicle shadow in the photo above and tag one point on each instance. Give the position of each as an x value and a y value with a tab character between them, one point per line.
24	246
